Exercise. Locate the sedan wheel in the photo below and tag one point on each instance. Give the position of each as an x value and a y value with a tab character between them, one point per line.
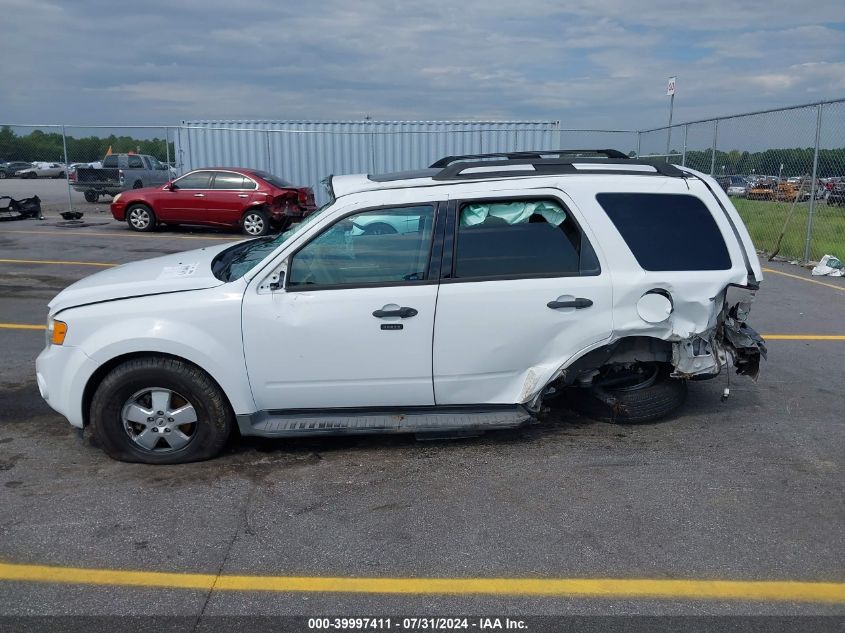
140	218
256	223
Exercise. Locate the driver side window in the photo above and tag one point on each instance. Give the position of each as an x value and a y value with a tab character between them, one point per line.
372	247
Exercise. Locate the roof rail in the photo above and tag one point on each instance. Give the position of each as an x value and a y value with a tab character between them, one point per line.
522	167
607	153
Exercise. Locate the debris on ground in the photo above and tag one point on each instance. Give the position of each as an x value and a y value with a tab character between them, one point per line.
829	266
23	209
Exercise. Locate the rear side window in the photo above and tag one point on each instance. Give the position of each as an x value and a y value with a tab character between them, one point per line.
520	239
667	231
135	162
110	161
228	180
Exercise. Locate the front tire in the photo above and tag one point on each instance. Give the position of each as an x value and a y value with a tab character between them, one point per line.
140	217
255	223
158	410
642	394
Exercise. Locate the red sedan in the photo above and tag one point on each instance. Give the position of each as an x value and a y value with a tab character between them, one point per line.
251	200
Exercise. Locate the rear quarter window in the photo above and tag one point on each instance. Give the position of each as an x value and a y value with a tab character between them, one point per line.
667	231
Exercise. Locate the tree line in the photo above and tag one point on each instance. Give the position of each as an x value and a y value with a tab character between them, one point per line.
796	162
47	146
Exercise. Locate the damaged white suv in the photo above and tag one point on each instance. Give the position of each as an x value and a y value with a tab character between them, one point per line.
453	299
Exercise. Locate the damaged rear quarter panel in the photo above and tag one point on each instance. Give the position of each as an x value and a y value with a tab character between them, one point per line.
697	296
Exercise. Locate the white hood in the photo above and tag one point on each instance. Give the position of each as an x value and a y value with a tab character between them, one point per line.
190	270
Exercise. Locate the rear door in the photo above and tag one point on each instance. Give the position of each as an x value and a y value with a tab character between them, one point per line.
230	195
523	290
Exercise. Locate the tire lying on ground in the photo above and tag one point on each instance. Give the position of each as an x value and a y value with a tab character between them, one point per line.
642	394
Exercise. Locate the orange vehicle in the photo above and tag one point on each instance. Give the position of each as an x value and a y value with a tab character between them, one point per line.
774	190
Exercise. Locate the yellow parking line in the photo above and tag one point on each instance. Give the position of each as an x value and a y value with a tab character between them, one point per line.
803	337
800	278
758	590
56	262
125	234
21	326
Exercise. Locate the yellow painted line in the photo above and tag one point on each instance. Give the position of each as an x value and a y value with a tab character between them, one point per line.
800	278
803	337
126	233
21	326
55	262
763	590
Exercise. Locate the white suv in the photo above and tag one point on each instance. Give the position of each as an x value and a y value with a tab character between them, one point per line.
453	299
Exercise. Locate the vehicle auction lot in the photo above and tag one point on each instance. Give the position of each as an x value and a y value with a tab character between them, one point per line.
746	490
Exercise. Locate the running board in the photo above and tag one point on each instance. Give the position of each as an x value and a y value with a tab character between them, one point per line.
305	422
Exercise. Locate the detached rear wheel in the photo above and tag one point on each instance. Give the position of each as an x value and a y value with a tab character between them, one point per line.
91	196
140	217
629	395
160	411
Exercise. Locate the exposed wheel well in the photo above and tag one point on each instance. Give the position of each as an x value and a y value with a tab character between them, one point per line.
626	350
103	370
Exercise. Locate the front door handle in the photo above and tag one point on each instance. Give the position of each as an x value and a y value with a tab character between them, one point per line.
199	195
578	303
403	313
243	195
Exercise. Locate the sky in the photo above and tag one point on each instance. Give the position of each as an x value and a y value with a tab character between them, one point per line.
585	63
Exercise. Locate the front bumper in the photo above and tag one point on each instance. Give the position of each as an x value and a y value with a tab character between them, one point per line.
62	371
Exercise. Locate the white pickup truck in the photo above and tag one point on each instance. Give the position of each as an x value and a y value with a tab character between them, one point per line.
119	173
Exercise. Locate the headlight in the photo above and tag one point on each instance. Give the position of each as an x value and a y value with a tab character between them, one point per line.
116	198
56	331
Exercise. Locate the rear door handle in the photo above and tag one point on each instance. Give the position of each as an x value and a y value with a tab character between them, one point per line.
400	312
578	303
243	195
199	195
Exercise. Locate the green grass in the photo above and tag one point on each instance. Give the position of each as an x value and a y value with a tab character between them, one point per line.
766	219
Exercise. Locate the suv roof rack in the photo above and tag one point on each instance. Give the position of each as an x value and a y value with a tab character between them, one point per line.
608	153
548	162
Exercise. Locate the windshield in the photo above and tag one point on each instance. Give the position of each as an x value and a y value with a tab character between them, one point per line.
238	260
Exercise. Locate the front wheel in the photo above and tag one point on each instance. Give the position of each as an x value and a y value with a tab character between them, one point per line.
255	223
160	411
140	217
628	395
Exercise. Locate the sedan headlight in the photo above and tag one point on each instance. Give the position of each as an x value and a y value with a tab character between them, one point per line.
116	198
56	331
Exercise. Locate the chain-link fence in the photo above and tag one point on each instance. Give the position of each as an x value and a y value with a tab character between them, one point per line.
783	168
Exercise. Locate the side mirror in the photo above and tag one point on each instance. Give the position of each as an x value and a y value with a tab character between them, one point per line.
171	186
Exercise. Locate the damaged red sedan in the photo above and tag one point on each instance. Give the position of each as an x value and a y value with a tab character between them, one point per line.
254	201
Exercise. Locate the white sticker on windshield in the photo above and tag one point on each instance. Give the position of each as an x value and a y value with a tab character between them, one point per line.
182	270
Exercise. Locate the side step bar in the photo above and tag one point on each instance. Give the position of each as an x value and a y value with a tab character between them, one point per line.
435	419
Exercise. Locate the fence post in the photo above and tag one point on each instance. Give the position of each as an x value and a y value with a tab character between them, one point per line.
684	153
639	141
269	168
713	151
813	184
67	170
167	148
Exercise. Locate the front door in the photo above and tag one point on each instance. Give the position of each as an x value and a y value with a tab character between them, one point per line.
353	325
186	200
523	290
